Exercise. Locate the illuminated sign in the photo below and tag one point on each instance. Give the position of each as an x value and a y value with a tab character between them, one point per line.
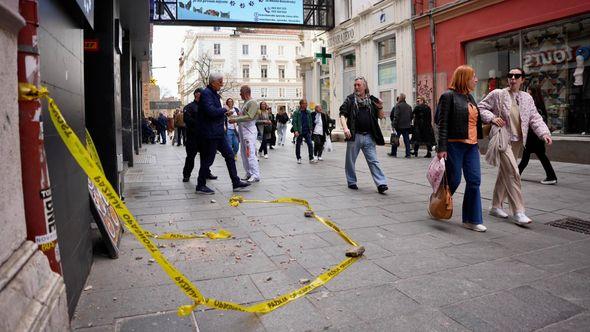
254	11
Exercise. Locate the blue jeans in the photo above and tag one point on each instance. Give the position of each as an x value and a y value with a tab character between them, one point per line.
406	134
465	157
366	143
232	139
300	138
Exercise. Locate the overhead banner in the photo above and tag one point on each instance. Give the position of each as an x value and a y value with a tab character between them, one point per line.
253	11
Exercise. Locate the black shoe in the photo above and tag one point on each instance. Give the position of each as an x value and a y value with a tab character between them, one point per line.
408	157
353	187
241	186
211	177
185	179
272	148
382	188
204	190
392	155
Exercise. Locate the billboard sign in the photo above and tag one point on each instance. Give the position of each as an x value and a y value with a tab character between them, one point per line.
242	11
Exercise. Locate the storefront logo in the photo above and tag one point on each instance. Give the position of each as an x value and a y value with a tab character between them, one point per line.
341	37
550	57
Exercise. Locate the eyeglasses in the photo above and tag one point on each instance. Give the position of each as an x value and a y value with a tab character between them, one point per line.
515	76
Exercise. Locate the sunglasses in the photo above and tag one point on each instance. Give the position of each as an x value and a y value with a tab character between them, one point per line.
515	76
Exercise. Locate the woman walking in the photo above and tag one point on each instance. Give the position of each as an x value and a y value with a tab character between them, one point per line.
516	110
423	132
282	120
264	130
460	126
536	145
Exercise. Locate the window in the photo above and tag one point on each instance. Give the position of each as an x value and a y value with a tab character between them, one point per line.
246	71
347	9
281	92
281	50
298	72
216	28
386	68
348	73
244	49
262	49
264	71
282	72
298	93
325	87
217	49
297	50
263	92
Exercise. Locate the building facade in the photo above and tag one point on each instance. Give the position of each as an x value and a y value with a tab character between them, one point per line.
263	59
550	40
372	39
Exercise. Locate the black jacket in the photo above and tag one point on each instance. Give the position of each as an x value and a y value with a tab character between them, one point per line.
401	116
454	118
423	132
349	110
282	118
190	116
325	122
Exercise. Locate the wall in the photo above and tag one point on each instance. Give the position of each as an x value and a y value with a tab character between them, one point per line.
62	72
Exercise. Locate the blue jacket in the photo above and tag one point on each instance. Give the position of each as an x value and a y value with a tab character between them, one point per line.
211	115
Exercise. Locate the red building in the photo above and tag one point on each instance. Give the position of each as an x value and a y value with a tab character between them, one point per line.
549	39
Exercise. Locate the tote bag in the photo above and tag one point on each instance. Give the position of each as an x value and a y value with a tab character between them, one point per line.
441	201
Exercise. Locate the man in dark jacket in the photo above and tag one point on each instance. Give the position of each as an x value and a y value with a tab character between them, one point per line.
162	125
401	121
359	116
302	123
193	132
319	131
211	117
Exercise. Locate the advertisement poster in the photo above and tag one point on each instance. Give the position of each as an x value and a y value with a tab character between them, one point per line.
107	220
255	11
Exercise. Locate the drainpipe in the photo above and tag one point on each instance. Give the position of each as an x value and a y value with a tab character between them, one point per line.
40	218
432	4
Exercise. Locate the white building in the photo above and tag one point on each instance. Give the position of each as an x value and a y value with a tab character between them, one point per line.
262	58
372	39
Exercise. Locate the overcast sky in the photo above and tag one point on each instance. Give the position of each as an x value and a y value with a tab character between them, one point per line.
165	52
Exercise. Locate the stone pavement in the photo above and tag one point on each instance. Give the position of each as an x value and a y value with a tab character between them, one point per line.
417	274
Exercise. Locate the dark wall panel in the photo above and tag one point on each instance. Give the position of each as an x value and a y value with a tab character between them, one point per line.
62	72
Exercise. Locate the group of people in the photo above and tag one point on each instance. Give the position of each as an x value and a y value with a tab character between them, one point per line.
513	114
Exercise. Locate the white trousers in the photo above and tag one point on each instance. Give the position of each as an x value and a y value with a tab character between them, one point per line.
248	153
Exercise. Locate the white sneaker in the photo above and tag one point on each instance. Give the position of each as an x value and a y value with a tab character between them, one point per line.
320	158
253	179
546	181
475	227
498	212
265	156
299	161
520	219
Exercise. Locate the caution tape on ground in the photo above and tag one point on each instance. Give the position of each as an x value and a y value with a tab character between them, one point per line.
97	176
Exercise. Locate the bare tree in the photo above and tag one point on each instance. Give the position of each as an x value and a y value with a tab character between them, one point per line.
202	68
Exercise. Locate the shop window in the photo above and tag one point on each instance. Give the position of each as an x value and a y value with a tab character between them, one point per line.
348	74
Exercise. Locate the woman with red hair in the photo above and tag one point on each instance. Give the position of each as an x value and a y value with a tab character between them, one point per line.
459	128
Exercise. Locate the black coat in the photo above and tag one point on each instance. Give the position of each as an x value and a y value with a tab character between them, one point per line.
191	120
325	123
453	120
401	116
423	132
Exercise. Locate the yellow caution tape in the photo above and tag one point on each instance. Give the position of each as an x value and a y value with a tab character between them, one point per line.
222	234
92	150
96	175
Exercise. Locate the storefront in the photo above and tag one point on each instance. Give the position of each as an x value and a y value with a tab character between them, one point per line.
550	40
555	57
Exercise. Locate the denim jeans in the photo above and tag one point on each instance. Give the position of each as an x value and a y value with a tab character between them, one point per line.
232	139
366	143
406	134
465	157
300	139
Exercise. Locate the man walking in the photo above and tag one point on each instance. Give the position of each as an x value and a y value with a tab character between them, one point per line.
248	131
401	121
319	131
162	126
302	126
193	136
359	116
212	120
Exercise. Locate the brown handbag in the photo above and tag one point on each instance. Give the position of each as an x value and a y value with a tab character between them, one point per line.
441	201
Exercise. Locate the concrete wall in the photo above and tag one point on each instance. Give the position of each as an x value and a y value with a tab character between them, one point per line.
32	297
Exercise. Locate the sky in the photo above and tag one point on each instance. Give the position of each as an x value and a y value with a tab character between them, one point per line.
165	52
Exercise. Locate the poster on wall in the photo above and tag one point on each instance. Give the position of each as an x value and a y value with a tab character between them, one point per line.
250	11
107	220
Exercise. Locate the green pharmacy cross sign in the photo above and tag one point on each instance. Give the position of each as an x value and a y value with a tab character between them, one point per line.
324	56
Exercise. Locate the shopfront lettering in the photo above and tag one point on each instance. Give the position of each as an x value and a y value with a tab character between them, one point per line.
340	38
549	57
